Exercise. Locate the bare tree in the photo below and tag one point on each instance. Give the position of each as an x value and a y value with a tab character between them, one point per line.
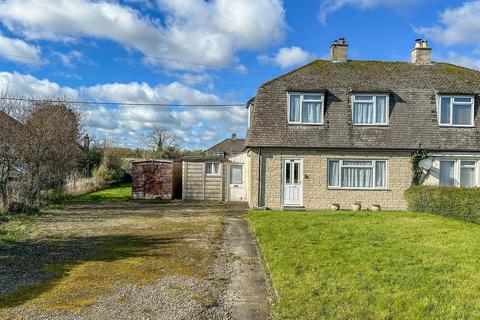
163	143
10	131
49	148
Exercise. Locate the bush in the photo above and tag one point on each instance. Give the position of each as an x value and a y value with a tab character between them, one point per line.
460	203
22	208
109	176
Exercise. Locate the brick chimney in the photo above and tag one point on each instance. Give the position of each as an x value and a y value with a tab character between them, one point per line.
421	54
234	136
339	50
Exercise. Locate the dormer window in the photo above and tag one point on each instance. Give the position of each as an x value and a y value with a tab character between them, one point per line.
305	108
456	111
370	109
219	154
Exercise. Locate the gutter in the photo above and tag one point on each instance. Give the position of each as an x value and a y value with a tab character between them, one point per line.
364	149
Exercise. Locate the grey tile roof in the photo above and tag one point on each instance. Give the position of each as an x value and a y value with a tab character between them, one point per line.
229	146
413	92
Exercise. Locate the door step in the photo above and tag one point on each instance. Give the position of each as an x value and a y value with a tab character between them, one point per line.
293	208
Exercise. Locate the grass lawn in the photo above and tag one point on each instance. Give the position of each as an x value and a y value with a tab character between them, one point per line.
123	192
390	265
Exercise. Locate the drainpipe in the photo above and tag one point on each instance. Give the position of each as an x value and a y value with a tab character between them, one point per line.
260	178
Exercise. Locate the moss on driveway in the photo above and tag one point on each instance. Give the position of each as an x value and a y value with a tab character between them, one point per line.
76	255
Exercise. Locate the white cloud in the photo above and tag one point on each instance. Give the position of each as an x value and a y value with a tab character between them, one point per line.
19	51
69	58
30	86
329	6
206	32
287	57
459	59
144	93
460	25
124	125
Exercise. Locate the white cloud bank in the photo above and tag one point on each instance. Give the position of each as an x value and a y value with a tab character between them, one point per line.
287	57
206	32
197	127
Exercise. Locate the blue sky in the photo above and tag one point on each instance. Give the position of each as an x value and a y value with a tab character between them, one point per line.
204	52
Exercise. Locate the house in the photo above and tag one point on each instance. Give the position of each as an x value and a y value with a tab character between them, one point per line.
343	131
221	175
156	179
227	148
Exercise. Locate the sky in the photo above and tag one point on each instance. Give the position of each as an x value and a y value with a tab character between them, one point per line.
204	52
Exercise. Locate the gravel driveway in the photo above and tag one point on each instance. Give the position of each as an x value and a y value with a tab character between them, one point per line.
129	260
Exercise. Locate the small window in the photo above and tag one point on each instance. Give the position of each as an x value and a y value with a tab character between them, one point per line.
447	173
212	168
468	169
219	154
357	174
370	109
305	108
455	111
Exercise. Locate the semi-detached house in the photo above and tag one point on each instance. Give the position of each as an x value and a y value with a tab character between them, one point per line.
343	131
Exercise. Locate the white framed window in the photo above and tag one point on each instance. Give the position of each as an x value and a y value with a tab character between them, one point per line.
212	168
370	109
305	108
357	174
456	111
459	173
219	154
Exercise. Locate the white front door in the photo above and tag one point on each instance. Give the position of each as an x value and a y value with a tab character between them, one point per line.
292	182
235	186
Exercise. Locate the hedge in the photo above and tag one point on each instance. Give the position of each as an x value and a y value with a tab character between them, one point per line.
460	203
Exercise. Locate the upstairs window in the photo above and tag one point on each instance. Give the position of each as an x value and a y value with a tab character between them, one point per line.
219	154
305	108
212	169
455	111
370	109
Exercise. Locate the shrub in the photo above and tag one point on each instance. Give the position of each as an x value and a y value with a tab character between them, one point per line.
460	203
109	176
22	208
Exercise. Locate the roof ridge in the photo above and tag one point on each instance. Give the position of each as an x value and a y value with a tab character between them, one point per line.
460	66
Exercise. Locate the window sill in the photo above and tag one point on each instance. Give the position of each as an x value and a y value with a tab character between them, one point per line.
359	189
456	126
370	125
306	124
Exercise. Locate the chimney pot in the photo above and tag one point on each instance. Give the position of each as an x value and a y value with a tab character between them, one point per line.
421	54
339	50
234	136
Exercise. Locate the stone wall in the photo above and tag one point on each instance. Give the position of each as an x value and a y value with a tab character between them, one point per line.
316	194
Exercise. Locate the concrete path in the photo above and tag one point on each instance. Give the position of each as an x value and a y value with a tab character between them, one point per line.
248	290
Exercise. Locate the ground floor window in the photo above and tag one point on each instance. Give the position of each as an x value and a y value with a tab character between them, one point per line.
462	173
357	174
212	168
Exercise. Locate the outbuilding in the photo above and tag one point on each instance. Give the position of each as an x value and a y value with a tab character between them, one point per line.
156	179
215	178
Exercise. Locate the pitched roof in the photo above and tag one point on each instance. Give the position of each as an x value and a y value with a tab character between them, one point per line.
413	89
229	146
